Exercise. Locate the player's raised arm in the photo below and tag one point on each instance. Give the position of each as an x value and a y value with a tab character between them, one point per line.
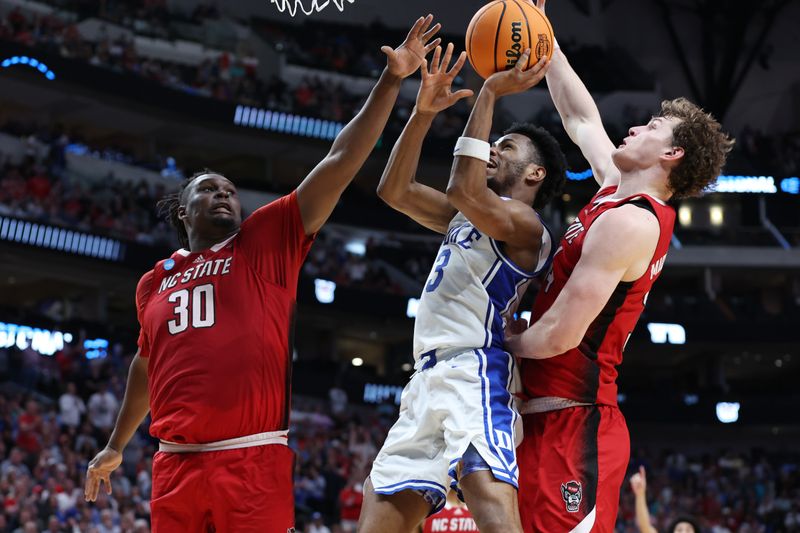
512	222
618	247
398	186
319	193
580	116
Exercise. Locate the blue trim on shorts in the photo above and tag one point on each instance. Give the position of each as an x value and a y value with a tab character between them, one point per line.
495	369
418	485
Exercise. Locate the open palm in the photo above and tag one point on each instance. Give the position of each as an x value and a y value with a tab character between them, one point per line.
404	60
435	93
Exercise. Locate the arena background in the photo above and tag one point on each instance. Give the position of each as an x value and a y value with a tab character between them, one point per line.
105	106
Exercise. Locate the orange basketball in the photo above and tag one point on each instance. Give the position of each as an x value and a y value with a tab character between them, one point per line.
500	32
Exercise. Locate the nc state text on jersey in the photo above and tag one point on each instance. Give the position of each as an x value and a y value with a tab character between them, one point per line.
209	268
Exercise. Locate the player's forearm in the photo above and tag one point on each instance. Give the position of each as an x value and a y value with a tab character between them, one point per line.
570	96
468	174
356	141
135	405
643	515
394	187
543	340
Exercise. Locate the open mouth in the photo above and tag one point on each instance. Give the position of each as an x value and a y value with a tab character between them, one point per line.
222	208
491	164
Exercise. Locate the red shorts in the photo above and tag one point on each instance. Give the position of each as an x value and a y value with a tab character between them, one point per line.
243	490
571	466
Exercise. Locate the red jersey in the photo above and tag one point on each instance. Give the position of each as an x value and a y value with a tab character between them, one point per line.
588	373
450	519
216	326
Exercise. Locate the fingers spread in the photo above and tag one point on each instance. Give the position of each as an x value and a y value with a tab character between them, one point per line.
426	22
435	60
448	55
430	33
459	64
433	44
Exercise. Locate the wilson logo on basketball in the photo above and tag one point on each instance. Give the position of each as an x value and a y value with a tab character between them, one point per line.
513	53
542	46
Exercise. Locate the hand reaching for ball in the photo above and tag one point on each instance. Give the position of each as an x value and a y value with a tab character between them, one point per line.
435	92
404	60
517	80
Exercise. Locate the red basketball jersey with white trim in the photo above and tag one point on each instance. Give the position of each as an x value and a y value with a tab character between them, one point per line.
216	326
451	518
588	373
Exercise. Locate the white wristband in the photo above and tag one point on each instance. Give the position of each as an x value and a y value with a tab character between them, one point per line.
469	147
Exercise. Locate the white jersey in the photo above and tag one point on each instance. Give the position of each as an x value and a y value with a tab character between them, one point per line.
471	290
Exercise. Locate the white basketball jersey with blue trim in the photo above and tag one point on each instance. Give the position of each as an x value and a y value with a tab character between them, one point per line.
471	290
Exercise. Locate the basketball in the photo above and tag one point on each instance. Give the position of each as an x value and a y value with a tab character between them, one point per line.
500	32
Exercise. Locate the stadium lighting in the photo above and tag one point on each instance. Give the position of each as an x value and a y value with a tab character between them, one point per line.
729	183
253	117
691	399
728	412
324	290
685	215
357	361
96	348
717	215
30	62
42	341
356	247
666	333
74	242
412	307
791	185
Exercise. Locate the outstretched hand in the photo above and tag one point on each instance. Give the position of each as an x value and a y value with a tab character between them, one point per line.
435	92
639	482
404	60
517	79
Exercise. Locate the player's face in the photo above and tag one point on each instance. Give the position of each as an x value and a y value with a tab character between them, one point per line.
212	205
509	160
647	145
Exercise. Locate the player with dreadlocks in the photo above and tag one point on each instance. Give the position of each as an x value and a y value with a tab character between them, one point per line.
213	365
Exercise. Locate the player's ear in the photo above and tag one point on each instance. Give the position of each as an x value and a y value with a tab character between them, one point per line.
673	155
536	173
181	212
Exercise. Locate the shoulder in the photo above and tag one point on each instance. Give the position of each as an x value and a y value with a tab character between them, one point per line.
145	281
624	231
144	287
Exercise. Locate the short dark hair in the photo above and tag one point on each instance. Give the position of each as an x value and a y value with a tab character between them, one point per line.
704	144
548	154
168	206
680	520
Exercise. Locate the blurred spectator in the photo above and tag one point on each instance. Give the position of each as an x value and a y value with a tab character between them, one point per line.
316	525
103	408
72	407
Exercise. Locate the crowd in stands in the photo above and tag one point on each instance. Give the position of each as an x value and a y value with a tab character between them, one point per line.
232	77
39	188
725	492
56	412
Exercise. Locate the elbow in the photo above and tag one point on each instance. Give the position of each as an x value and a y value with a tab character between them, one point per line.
457	195
390	197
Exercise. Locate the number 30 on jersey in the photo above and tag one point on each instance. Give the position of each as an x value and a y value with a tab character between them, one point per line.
199	303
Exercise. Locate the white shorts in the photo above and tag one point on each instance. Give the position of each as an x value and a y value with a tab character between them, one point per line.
446	406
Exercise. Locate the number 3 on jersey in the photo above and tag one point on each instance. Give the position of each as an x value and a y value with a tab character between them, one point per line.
201	307
438	269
